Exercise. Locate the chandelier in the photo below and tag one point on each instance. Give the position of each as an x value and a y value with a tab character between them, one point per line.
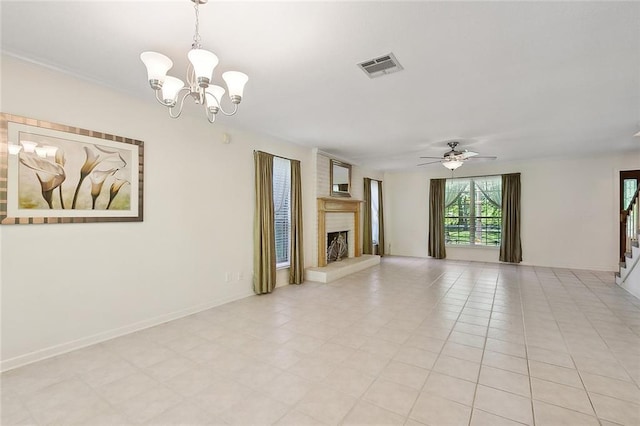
199	72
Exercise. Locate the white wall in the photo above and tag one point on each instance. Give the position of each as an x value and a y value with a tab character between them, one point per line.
569	210
69	285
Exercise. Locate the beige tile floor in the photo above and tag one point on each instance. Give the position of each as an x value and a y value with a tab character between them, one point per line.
412	341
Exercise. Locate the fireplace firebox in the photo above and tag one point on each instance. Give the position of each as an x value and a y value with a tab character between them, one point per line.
337	246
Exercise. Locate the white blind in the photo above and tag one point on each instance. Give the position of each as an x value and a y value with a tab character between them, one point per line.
375	227
282	209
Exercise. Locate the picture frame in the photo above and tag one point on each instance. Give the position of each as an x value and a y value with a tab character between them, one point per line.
340	178
54	173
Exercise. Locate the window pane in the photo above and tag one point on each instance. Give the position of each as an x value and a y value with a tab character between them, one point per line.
630	186
473	214
281	206
374	211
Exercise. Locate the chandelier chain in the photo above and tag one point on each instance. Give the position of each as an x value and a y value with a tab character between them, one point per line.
196	36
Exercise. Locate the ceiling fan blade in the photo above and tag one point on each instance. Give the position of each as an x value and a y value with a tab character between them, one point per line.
430	162
468	154
432	157
483	157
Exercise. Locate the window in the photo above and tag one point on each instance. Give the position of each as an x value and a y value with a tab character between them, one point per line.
630	186
375	227
282	209
473	213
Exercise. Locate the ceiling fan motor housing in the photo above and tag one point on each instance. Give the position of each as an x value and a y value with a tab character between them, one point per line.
453	151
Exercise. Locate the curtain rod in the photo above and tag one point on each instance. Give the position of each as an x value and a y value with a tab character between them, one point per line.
279	156
478	176
377	180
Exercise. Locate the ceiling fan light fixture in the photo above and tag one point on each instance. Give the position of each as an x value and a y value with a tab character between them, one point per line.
452	164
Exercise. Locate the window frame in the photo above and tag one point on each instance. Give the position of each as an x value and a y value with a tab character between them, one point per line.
287	263
375	212
473	217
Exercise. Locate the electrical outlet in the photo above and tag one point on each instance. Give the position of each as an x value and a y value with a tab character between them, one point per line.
227	277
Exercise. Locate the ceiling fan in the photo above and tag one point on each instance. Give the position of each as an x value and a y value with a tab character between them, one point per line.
453	159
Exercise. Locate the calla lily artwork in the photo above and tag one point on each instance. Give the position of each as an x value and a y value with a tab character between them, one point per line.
61	174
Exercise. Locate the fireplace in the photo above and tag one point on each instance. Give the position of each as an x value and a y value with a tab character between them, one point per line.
338	214
337	246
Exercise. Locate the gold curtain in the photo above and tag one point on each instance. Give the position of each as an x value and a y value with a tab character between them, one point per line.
380	221
264	240
367	232
511	246
296	258
436	219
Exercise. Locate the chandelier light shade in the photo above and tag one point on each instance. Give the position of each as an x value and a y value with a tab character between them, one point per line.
171	91
157	67
452	164
235	82
214	96
203	62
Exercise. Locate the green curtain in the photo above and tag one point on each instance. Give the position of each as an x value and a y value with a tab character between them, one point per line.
510	246
296	258
380	221
367	232
264	240
436	218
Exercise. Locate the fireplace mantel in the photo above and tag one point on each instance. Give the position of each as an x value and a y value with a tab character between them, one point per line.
336	205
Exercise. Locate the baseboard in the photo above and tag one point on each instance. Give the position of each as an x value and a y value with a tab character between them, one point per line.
598	268
41	354
613	267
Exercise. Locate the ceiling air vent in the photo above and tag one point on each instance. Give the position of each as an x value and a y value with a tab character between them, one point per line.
377	67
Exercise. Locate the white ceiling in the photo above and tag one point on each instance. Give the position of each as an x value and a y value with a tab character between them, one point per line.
512	79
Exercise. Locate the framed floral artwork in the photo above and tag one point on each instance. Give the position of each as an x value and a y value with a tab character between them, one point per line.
52	173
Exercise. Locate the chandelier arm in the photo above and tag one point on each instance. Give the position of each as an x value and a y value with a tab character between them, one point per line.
177	115
163	103
235	109
211	117
191	75
160	101
180	107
